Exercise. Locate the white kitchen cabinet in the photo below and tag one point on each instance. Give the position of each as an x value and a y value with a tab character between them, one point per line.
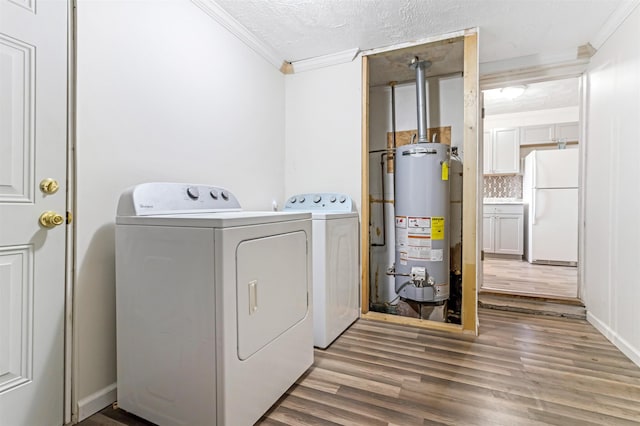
503	228
549	133
568	131
502	151
532	135
488	240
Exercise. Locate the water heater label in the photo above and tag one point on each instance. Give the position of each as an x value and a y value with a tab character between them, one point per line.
419	253
437	228
401	221
419	224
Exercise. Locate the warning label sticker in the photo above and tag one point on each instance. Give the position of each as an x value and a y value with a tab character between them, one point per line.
437	228
436	255
403	257
419	253
415	234
419	222
401	221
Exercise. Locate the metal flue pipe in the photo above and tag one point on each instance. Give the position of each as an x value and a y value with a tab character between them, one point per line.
421	97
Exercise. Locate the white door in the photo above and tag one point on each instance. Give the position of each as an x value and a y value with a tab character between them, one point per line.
33	146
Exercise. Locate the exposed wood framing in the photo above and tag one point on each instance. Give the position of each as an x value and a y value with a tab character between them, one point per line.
416	322
470	247
470	219
364	219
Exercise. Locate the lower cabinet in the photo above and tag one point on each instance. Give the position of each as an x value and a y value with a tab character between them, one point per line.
503	229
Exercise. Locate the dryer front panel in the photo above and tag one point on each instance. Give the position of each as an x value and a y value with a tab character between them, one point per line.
271	289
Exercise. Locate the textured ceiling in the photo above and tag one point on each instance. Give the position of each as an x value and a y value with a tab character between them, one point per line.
302	29
538	96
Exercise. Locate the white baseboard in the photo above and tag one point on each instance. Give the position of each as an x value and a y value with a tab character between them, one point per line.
632	353
95	402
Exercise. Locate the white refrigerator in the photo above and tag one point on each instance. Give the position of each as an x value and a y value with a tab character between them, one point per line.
550	192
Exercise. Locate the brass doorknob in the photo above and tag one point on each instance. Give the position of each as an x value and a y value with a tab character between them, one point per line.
49	186
51	219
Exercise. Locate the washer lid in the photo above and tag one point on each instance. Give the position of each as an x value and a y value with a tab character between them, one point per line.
213	220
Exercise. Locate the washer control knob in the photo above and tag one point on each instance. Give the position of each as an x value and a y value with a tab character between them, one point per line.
193	192
343	198
214	194
224	195
301	199
332	199
292	200
317	198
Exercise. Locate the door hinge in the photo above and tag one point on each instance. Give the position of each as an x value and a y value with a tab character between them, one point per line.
483	113
69	217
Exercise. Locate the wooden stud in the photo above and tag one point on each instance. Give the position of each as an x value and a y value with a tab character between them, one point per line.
470	186
415	322
364	207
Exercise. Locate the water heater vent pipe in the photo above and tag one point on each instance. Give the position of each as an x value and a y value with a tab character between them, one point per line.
421	97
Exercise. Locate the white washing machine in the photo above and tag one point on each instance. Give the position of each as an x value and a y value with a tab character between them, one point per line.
213	305
336	272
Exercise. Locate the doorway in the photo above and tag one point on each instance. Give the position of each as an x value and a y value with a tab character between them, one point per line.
531	190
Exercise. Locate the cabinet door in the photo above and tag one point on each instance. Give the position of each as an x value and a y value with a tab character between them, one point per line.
568	131
487	153
532	135
508	234
487	234
506	151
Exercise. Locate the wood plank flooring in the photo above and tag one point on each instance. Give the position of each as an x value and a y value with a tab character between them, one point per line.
520	277
522	370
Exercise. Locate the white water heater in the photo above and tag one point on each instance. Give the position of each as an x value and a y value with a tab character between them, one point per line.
422	222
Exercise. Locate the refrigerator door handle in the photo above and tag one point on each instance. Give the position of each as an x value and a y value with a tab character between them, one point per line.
533	205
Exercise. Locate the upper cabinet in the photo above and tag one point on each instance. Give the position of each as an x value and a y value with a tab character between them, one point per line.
549	133
502	151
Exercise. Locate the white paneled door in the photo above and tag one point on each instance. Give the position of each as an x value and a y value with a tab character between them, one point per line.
33	148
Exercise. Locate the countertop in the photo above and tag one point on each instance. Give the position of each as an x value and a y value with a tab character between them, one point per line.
502	201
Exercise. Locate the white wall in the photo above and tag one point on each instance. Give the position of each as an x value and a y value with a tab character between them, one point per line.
323	131
612	233
532	118
164	94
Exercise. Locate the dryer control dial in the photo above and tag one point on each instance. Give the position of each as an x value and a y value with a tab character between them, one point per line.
343	199
214	194
301	199
317	198
224	194
193	192
292	200
332	199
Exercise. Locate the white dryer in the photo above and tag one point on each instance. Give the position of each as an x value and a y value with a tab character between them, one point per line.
213	305
336	272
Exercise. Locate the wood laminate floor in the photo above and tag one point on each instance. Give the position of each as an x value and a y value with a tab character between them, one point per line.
521	370
520	277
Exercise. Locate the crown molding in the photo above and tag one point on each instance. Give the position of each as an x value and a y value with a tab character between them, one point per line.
223	18
325	61
613	22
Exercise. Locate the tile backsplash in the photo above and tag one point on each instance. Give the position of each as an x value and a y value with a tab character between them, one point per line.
503	186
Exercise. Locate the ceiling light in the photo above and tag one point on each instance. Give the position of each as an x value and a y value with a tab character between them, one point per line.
512	92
